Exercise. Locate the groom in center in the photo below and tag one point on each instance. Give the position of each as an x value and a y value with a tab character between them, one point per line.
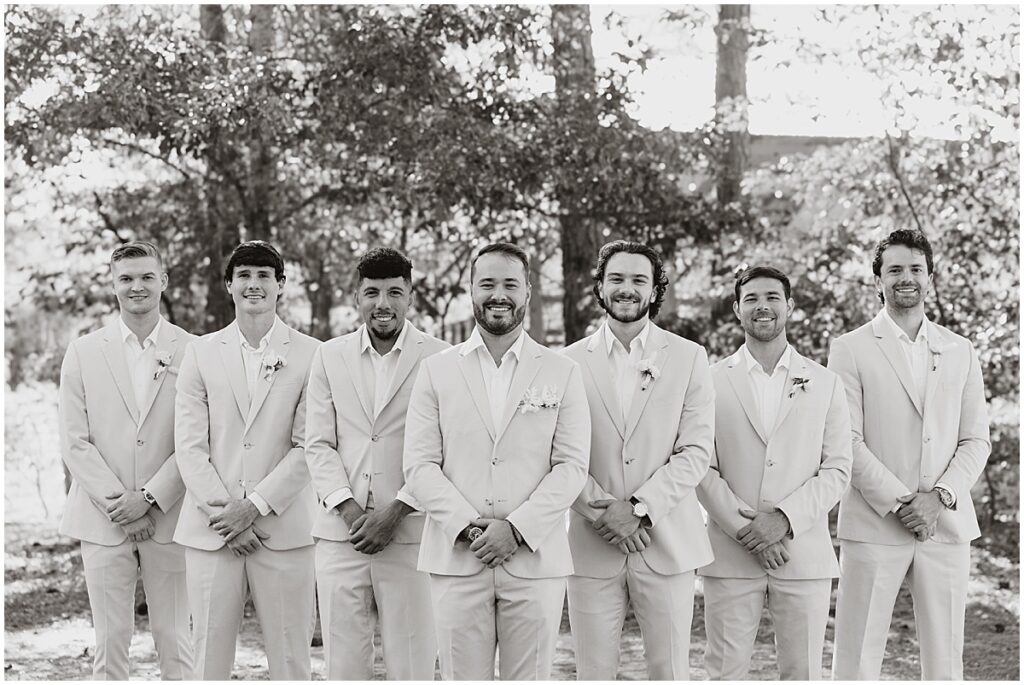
497	444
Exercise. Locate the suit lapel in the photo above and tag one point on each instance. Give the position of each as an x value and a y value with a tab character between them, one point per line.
797	369
936	347
412	350
656	344
350	355
113	352
526	371
601	371
736	372
469	365
165	342
231	355
279	344
890	345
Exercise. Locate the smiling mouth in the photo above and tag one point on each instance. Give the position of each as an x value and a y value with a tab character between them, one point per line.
383	318
499	308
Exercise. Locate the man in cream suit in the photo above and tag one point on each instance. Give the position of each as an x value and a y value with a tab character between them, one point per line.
497	442
116	410
248	511
368	530
636	531
920	441
782	460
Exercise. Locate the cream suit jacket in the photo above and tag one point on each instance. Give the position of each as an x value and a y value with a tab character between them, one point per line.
347	445
800	466
528	469
108	443
658	455
227	447
900	445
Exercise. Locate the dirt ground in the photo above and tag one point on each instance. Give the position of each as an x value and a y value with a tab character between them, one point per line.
48	633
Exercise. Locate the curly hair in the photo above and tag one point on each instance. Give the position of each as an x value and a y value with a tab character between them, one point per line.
384	262
915	240
613	248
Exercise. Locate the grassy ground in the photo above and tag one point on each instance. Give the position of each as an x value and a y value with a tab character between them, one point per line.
48	633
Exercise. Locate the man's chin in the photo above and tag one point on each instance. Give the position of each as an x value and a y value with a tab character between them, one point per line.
384	333
500	327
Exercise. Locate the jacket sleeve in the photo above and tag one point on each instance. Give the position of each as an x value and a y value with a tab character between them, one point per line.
877	484
192	435
289	478
973	441
423	458
815	498
322	440
87	466
718	499
691	453
546	506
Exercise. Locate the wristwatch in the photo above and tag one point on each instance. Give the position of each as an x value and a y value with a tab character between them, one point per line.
945	496
639	509
474	532
148	496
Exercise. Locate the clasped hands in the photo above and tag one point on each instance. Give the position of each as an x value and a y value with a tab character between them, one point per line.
234	522
130	510
496	545
763	536
619	526
371	531
920	513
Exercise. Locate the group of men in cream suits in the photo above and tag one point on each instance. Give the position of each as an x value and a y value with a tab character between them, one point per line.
457	495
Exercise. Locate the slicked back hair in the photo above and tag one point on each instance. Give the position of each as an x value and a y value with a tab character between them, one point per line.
255	253
915	240
136	249
761	271
384	262
660	279
509	251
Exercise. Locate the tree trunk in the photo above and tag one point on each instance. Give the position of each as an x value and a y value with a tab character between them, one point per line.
261	161
731	99
573	62
222	236
536	318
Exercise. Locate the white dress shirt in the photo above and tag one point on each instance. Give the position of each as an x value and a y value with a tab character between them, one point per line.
625	365
497	379
767	388
380	370
252	360
917	354
141	360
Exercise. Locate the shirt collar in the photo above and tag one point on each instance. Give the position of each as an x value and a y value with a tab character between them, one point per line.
752	363
126	333
264	342
922	332
366	344
476	341
610	339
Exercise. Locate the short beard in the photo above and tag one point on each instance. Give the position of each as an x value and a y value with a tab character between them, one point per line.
384	335
757	335
480	314
606	304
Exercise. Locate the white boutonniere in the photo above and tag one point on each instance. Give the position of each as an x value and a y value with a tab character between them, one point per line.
799	382
272	363
648	373
163	363
535	400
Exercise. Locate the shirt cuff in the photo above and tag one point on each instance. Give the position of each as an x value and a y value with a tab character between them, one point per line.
260	503
900	504
943	486
337	497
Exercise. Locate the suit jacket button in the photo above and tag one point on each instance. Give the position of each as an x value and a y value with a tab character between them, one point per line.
771	463
140	442
247	445
374	437
366	475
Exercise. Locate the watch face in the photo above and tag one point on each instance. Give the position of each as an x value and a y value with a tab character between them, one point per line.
640	509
